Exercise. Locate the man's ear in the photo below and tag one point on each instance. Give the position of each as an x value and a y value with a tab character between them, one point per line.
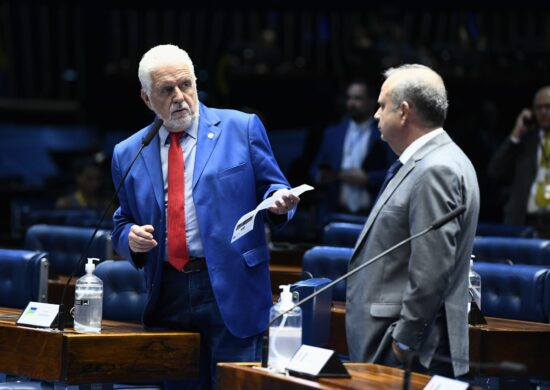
146	99
405	109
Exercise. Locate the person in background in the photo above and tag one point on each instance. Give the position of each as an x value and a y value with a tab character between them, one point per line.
352	160
179	205
522	162
90	190
412	303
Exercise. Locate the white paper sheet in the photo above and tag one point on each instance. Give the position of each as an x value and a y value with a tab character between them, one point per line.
246	222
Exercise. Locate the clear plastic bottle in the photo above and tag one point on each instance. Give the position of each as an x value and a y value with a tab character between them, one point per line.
474	286
285	334
88	301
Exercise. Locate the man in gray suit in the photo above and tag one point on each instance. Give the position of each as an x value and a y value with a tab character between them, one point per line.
412	303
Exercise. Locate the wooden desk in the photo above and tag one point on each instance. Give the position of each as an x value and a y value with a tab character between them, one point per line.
363	376
509	340
500	340
121	353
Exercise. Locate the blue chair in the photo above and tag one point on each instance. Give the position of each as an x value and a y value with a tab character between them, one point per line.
65	217
515	291
23	277
343	234
124	293
504	230
344	217
124	298
328	262
316	312
534	251
65	245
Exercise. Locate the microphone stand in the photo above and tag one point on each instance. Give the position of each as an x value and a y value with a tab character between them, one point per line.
155	127
435	225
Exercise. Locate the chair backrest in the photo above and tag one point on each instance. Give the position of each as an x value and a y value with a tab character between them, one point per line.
515	291
504	230
316	312
329	262
534	251
23	277
343	234
344	217
64	217
65	245
124	293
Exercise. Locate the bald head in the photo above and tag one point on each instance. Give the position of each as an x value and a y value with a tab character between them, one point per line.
541	107
422	88
544	91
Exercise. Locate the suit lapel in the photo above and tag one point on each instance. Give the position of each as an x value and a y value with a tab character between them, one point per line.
208	134
151	160
384	196
434	143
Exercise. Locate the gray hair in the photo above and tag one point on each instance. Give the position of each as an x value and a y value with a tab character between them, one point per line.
423	89
158	56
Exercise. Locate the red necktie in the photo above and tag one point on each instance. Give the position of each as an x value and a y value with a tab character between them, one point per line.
178	254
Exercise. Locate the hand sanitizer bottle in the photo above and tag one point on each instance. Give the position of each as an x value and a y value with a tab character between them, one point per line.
88	302
474	286
285	334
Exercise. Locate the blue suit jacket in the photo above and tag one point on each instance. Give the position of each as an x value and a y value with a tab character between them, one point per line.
234	170
379	157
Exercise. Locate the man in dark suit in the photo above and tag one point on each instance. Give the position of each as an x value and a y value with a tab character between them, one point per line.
522	162
352	160
415	298
178	207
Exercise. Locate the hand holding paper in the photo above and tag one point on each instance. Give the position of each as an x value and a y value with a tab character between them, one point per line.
280	202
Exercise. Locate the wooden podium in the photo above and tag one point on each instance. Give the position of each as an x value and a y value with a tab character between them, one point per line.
238	376
122	352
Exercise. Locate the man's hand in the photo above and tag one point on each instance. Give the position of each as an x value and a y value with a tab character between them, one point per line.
398	352
140	238
520	128
284	203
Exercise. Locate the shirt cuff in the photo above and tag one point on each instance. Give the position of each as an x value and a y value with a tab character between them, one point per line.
514	140
403	347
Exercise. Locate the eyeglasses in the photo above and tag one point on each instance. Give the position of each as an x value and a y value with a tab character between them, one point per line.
540	107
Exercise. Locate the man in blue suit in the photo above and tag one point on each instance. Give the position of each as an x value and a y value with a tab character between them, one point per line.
352	160
198	280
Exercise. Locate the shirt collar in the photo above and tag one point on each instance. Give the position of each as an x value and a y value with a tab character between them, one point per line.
418	143
191	132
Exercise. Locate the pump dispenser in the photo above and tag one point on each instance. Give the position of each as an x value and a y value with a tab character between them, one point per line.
285	334
88	302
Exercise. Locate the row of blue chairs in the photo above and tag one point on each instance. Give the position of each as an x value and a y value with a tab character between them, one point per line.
511	249
515	291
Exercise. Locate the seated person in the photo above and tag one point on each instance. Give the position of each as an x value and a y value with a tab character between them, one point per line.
353	159
523	163
90	190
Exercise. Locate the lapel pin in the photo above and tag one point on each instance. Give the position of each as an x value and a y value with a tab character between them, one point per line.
210	135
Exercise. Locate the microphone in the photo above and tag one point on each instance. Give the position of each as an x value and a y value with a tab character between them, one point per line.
504	366
435	225
146	140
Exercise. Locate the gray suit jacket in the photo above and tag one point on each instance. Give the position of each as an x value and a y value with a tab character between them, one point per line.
401	295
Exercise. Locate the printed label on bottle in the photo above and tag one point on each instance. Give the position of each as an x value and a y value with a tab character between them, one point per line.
81	302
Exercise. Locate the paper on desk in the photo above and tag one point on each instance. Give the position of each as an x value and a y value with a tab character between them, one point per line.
246	222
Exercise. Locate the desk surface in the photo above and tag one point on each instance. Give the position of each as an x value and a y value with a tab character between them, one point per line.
363	376
500	340
123	352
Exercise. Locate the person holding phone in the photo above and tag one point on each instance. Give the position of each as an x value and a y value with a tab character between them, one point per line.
522	163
